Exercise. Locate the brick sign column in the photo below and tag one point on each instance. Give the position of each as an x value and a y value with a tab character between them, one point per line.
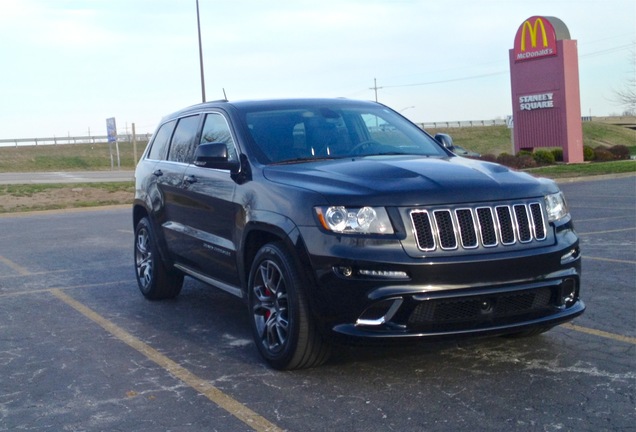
544	75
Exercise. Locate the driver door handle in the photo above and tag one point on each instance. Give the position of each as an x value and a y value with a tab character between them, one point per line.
190	179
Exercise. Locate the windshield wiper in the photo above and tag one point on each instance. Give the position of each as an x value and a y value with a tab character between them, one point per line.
303	160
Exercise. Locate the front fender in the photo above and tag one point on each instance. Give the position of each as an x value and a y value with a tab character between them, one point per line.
263	227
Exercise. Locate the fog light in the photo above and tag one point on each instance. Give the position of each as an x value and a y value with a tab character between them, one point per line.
343	271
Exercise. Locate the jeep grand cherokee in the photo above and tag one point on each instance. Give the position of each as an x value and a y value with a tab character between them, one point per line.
341	220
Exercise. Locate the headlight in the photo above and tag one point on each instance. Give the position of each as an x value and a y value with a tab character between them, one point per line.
355	220
556	206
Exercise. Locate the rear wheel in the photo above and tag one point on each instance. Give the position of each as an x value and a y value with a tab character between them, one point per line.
156	281
283	329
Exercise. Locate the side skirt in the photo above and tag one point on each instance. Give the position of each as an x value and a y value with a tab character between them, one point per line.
234	290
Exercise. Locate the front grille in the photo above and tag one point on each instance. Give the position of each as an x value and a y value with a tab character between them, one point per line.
440	313
471	227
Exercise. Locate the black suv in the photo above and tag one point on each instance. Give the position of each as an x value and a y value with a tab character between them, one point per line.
341	220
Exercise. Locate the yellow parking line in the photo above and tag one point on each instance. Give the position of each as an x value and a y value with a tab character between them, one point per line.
22	271
600	333
48	290
231	405
608	260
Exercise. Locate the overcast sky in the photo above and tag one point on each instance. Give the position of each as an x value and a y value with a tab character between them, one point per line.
66	66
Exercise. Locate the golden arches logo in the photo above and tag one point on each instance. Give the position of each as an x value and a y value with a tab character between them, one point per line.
533	30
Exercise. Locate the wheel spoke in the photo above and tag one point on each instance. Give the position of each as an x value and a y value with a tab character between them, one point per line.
273	341
142	241
144	270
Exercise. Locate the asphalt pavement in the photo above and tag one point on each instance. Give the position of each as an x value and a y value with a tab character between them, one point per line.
82	350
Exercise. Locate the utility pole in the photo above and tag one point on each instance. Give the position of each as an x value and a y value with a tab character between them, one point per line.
375	88
200	55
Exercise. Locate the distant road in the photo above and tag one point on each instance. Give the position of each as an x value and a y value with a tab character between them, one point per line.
66	177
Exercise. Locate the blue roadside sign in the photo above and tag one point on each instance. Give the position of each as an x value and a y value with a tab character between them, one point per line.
111	129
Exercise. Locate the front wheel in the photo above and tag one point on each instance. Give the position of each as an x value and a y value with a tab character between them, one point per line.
283	329
156	281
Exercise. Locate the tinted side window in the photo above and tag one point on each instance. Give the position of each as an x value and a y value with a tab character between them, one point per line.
159	145
183	139
216	130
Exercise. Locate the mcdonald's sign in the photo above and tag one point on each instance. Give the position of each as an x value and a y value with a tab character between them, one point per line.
535	38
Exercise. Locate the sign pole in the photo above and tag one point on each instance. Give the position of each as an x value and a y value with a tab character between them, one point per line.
111	128
117	148
134	140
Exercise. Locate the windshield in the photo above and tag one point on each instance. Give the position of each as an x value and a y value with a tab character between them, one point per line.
316	132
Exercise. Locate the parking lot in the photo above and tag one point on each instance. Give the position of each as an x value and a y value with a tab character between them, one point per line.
82	350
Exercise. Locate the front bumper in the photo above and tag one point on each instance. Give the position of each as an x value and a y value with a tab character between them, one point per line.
442	297
478	312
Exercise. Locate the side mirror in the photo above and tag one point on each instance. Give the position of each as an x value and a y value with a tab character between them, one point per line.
213	155
445	140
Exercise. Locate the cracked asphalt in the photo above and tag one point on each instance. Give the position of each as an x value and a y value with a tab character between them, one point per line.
82	350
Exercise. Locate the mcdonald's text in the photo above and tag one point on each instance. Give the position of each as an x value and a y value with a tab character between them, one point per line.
533	54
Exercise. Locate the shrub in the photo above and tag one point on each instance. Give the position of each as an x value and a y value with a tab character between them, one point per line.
558	154
543	157
489	157
506	159
525	161
521	161
601	154
588	153
620	152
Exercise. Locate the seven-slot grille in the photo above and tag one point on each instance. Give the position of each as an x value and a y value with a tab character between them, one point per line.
471	227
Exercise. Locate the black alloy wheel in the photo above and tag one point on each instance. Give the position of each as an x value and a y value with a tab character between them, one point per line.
282	326
155	280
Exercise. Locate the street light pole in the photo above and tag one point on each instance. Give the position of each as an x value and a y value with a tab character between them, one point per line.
200	55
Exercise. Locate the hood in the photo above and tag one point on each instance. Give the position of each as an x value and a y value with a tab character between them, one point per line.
409	180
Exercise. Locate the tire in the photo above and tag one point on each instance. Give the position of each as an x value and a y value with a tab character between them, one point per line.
155	280
284	332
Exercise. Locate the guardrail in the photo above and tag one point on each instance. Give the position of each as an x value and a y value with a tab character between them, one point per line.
146	137
459	124
474	123
88	139
95	139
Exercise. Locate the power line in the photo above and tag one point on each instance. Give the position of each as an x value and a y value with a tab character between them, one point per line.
448	80
608	50
471	77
